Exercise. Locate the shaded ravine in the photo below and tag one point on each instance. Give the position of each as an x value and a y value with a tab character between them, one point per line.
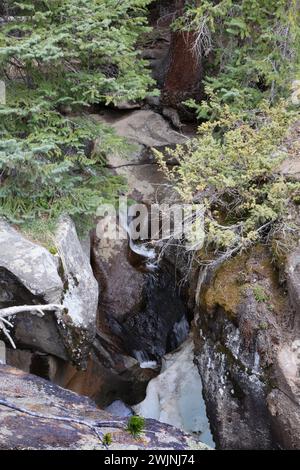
140	302
175	395
142	316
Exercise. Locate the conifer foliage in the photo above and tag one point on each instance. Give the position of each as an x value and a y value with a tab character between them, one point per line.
58	57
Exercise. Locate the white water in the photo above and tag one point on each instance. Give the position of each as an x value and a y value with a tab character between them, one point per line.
149	365
175	396
181	330
144	250
144	360
141	356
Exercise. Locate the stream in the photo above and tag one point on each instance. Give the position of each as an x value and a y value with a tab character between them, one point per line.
140	354
174	396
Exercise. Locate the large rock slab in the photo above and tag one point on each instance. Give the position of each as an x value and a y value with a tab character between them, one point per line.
144	127
138	307
241	324
120	283
80	298
29	275
64	420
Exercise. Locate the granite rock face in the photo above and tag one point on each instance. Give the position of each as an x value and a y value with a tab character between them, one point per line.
247	351
33	266
80	296
63	420
30	274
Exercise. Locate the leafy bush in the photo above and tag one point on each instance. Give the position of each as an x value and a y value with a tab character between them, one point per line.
57	59
231	169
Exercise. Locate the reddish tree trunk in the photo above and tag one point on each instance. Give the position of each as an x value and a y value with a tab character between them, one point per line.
184	70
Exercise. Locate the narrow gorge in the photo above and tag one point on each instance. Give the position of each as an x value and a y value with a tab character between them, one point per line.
200	340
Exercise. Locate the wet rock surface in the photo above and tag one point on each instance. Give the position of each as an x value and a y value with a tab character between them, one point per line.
139	308
244	322
64	420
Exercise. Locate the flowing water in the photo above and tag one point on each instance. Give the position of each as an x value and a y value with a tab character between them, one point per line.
175	395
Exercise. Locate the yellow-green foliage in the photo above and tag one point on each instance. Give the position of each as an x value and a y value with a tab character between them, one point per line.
107	439
231	168
260	294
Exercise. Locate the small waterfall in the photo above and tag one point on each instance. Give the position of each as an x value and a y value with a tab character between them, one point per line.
179	333
141	356
144	250
144	360
181	330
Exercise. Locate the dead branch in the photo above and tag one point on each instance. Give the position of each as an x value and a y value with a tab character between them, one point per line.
33	309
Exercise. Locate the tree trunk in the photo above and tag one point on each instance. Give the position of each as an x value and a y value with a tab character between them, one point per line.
184	69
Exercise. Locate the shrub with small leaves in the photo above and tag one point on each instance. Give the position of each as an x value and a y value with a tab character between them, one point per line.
260	294
231	169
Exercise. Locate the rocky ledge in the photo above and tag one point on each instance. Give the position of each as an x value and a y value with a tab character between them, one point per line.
35	414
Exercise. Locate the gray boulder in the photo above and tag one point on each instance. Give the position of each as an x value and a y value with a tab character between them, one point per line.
78	326
45	416
144	127
29	274
119	408
31	264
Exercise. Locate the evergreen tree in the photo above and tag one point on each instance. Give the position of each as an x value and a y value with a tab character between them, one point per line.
58	56
250	48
